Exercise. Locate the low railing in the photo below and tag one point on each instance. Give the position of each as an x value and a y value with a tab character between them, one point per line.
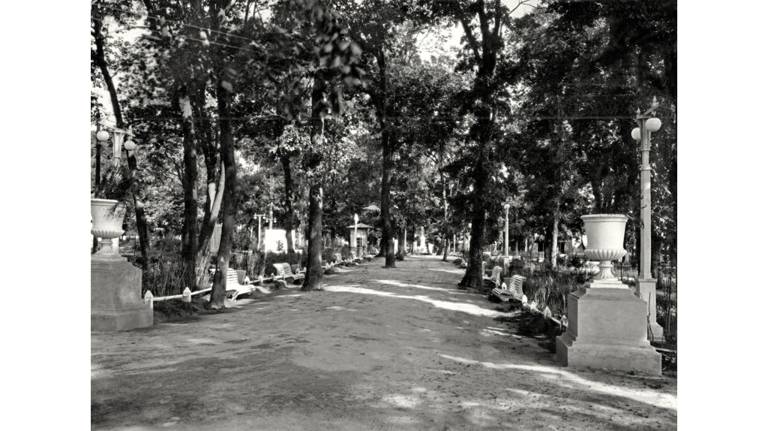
187	294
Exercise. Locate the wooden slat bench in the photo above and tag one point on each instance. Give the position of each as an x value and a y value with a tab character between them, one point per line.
495	277
285	272
505	293
237	284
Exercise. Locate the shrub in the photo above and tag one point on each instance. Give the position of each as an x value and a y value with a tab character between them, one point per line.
328	254
551	288
346	252
164	275
577	261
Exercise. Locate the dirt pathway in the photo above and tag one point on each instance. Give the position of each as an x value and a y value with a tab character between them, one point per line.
377	350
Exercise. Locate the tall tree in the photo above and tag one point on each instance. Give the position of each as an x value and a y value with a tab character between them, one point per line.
384	30
483	23
317	28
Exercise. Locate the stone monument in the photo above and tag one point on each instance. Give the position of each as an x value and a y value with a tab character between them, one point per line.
116	302
607	322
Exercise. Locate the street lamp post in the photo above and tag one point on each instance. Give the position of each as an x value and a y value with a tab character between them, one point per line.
647	124
355	236
258	236
102	136
506	230
517	239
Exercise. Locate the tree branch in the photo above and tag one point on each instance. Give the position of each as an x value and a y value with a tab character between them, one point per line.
507	16
471	38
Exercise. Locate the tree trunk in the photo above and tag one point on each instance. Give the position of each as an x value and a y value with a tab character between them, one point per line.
214	198
312	160
190	229
445	215
473	277
387	149
474	274
402	237
289	214
386	219
141	219
382	247
480	132
229	202
314	274
213	169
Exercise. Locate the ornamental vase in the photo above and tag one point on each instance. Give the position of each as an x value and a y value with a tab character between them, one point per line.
605	241
107	218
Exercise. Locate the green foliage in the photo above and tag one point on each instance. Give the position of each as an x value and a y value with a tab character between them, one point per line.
114	183
587	67
544	76
551	288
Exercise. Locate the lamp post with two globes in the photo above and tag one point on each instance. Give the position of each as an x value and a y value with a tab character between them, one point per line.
647	124
102	136
354	238
506	229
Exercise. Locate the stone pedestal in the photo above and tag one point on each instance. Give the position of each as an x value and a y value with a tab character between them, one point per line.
647	292
116	303
607	329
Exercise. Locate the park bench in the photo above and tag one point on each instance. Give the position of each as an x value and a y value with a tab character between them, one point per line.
237	284
284	272
495	277
234	288
504	293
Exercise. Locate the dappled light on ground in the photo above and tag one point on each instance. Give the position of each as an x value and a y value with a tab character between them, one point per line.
653	398
403	401
458	271
445	305
415	286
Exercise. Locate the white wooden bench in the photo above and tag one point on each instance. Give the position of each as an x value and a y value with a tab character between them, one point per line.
505	293
235	288
495	277
284	272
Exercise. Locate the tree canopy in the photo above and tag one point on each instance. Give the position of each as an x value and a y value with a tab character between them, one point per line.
316	110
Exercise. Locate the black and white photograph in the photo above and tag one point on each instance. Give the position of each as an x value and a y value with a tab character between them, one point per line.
386	215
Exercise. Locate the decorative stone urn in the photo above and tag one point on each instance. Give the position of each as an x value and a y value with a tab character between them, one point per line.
116	302
605	233
107	216
607	323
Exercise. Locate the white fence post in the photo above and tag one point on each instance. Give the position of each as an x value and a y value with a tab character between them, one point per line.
149	299
186	295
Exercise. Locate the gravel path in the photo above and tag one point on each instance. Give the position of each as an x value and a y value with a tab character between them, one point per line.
378	349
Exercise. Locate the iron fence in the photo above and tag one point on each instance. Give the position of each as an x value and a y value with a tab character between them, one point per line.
666	301
666	294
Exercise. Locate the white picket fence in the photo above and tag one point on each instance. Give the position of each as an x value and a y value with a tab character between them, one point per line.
186	295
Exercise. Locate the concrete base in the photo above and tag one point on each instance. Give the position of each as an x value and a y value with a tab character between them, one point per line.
607	329
646	291
116	303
